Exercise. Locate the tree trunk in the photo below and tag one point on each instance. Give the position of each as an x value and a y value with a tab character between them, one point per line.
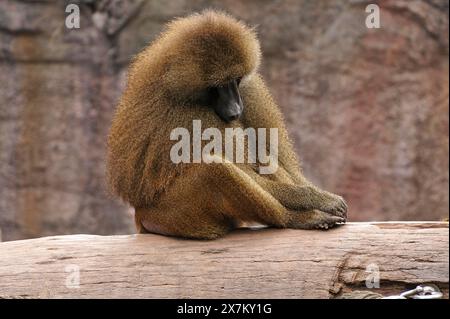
267	263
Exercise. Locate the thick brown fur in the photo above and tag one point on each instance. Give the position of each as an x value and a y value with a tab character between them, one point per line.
205	200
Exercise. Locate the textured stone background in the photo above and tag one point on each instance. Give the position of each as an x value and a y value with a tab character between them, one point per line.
368	108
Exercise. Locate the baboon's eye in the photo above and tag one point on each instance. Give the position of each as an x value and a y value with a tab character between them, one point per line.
238	80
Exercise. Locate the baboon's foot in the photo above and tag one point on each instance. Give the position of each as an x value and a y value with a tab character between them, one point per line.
314	220
333	204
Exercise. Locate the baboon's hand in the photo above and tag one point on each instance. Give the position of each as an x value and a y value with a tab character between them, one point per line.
333	204
314	220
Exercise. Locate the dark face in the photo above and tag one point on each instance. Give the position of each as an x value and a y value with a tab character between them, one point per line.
225	100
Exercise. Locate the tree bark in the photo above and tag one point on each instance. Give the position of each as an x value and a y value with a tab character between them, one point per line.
265	263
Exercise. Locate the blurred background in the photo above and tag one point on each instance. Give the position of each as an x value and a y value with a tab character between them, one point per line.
367	108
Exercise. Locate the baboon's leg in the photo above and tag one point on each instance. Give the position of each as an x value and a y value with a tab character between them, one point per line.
209	200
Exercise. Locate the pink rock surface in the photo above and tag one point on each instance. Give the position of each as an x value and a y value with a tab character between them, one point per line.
367	108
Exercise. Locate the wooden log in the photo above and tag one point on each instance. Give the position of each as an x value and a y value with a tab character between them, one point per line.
267	263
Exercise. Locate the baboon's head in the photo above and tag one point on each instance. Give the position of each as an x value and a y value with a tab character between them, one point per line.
207	56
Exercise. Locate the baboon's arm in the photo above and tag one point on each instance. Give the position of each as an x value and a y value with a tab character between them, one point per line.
313	219
308	197
262	111
302	197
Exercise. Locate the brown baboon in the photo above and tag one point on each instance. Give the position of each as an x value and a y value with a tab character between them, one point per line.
204	67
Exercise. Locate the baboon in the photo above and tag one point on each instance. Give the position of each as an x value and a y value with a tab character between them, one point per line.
205	66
